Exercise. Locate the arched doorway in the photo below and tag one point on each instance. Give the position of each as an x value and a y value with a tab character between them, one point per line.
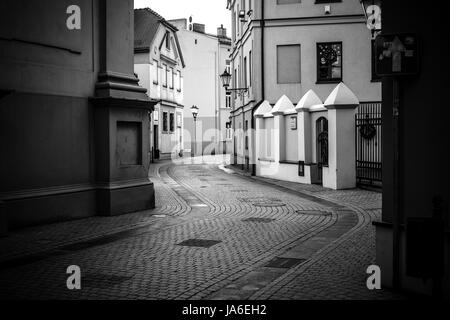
322	144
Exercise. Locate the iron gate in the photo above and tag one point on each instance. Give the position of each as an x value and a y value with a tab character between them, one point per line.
368	144
322	144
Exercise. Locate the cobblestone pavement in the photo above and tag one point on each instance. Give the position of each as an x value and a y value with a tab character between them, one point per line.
265	239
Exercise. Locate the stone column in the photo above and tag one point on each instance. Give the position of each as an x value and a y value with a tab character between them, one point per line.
341	171
121	120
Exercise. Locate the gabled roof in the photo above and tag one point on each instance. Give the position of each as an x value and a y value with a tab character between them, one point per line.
146	23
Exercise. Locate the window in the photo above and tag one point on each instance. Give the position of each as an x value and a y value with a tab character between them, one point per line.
237	22
246	135
288	64
239	75
172	122
155	72
164	121
228	130
245	72
250	68
167	40
235	82
179	80
287	1
228	100
329	62
171	73
166	70
375	77
179	120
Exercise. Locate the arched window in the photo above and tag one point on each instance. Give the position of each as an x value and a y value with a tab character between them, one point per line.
322	141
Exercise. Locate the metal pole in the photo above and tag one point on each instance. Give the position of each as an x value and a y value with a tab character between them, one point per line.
397	216
195	135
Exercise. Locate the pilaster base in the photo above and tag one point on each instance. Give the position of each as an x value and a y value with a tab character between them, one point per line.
120	199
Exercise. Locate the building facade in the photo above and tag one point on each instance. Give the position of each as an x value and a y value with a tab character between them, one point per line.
288	47
206	56
159	63
72	114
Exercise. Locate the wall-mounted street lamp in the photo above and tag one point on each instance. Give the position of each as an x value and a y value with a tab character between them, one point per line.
194	110
226	78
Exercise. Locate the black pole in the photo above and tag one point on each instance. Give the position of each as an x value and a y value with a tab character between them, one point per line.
397	217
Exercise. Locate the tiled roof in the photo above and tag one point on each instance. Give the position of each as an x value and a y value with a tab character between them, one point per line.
146	22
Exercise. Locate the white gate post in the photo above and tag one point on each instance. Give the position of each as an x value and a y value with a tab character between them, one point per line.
283	104
304	125
260	133
341	172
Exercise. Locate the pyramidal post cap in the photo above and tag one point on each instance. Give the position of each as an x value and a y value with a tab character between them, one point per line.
308	100
282	105
263	108
341	95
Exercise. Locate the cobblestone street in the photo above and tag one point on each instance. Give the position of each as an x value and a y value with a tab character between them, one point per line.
214	234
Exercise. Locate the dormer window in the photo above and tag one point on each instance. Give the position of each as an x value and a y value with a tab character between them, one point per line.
167	40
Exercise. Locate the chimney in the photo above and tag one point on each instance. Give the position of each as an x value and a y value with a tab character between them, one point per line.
221	32
198	27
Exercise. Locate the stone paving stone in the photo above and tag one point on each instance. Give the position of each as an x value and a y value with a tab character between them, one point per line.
150	264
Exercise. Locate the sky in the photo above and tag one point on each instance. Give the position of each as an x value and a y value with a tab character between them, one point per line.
212	13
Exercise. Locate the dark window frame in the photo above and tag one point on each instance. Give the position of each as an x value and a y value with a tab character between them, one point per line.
245	72
250	68
165	122
171	122
179	80
246	134
227	100
172	83
168	40
329	80
166	71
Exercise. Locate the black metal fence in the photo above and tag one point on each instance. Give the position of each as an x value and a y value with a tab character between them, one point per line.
368	144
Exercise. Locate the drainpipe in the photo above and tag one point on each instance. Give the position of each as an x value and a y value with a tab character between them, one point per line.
252	122
263	23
